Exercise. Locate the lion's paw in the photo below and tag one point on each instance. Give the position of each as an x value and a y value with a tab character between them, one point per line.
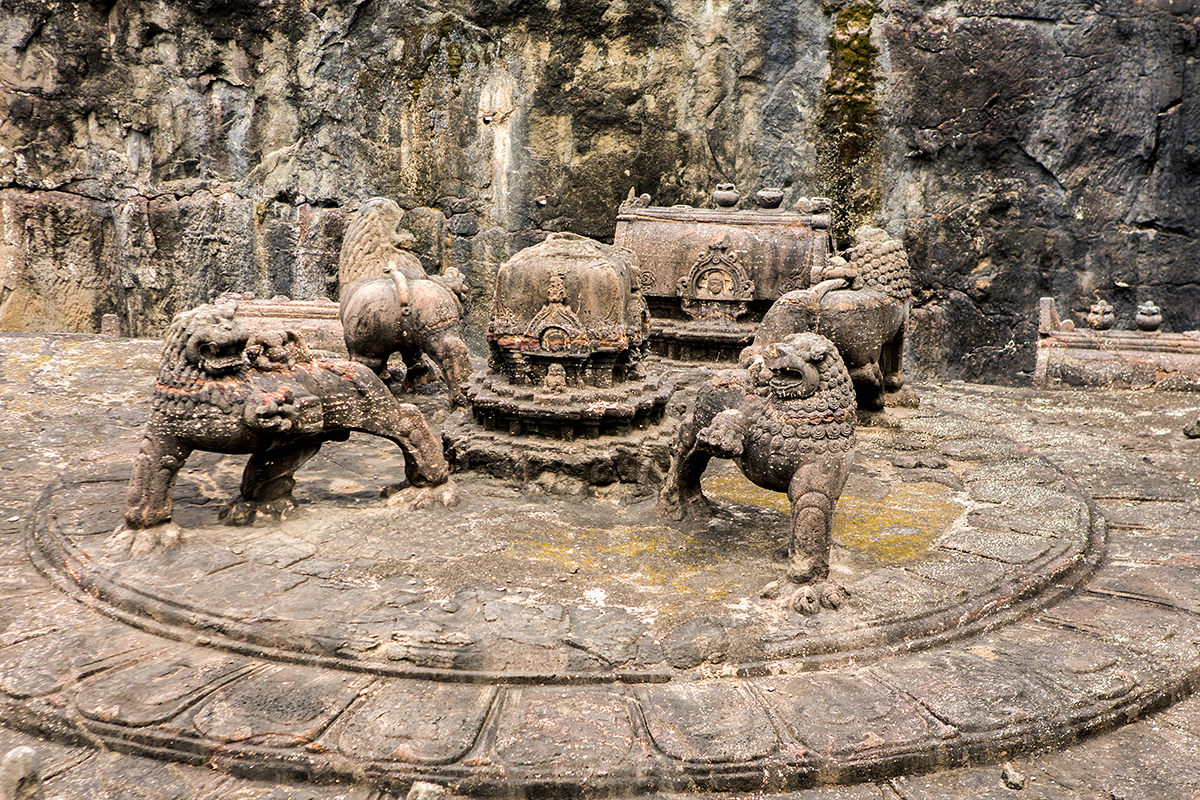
275	412
806	598
242	512
413	498
239	513
136	542
903	397
725	436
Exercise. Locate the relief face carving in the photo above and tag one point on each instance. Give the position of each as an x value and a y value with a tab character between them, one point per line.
717	288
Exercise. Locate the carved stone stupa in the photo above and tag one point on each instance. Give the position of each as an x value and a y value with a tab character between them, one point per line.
567	333
573	302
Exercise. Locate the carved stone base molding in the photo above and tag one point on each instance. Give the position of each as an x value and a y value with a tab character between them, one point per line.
1121	359
569	641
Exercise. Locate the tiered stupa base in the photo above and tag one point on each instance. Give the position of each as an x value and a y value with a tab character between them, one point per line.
568	440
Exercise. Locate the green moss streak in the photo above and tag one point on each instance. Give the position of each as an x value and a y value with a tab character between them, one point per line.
455	56
849	126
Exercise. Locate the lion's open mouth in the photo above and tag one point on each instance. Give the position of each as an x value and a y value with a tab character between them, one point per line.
220	358
789	385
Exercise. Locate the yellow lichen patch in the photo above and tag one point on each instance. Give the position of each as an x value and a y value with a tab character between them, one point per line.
649	560
562	555
733	487
715	593
555	542
897	528
590	548
901	526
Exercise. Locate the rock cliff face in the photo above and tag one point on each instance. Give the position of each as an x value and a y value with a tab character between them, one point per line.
155	154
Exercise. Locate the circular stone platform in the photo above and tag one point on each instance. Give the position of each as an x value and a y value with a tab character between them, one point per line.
541	642
944	530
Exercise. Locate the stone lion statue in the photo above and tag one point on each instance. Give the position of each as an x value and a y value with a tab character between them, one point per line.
861	303
221	390
374	242
389	304
788	420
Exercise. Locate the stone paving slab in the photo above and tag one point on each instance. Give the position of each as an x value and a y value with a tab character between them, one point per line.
1122	647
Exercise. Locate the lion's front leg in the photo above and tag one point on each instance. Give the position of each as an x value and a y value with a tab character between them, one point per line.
715	428
814	492
723	437
868	386
681	496
268	481
148	524
425	465
449	351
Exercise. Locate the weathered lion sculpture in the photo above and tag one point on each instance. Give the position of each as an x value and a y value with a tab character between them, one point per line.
220	390
389	304
375	241
415	318
862	308
789	423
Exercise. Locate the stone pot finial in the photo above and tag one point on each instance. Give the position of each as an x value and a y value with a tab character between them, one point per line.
726	195
1148	317
1100	315
769	197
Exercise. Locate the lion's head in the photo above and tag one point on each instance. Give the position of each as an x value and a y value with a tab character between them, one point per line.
801	366
208	338
374	241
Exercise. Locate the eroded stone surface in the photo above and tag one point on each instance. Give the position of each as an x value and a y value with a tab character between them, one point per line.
1125	644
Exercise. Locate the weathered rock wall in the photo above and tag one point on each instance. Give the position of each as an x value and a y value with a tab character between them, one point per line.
155	154
1043	148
